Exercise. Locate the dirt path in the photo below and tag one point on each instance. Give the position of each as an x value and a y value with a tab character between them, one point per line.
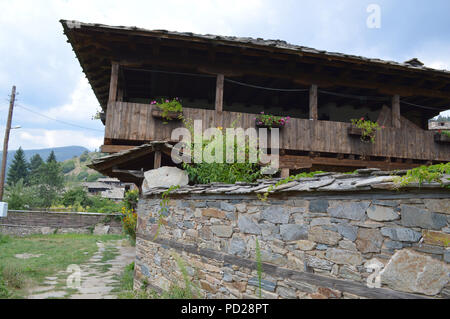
98	277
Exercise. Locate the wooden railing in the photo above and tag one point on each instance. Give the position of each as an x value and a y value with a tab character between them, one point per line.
134	122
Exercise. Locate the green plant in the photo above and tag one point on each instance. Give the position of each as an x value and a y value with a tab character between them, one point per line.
289	179
221	171
68	166
422	174
186	292
129	215
84	157
271	121
259	267
13	276
131	199
368	128
4	291
164	210
167	106
102	205
129	222
445	133
4	239
76	196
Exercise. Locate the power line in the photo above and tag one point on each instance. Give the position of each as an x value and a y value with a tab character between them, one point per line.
53	119
265	88
358	97
171	72
351	96
423	107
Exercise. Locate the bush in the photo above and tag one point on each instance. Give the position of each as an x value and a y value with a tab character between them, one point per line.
76	197
93	177
82	176
129	222
131	199
21	197
103	205
84	157
13	277
68	166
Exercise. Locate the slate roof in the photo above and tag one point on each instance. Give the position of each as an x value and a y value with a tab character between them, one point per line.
413	64
362	180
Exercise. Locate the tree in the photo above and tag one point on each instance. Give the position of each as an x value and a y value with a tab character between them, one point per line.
19	168
52	158
49	181
35	163
18	196
76	196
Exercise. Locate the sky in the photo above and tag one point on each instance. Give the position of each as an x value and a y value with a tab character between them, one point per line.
35	55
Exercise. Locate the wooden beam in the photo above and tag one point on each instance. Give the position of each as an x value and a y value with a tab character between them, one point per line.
219	92
115	148
285	172
157	163
297	162
396	123
313	103
114	81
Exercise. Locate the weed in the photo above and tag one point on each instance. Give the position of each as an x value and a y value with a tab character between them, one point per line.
259	267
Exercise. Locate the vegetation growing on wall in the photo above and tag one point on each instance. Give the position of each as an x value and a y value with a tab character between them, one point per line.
284	181
424	174
223	172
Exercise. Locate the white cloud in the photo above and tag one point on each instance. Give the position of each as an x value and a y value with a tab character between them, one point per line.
43	138
82	105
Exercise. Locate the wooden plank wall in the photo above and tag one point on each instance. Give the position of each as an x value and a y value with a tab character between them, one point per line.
131	121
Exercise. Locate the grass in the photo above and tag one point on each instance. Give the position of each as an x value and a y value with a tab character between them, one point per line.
57	253
124	289
110	253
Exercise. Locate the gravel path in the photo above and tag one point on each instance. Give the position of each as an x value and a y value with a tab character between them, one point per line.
99	275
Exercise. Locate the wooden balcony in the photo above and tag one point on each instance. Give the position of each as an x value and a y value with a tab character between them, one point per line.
133	124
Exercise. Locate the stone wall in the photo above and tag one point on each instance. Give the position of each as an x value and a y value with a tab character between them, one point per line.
313	244
24	223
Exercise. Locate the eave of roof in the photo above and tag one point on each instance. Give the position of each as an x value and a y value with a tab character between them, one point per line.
279	45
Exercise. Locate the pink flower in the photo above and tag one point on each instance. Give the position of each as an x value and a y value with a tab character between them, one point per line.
362	118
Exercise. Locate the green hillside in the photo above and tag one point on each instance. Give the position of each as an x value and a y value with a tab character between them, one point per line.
76	171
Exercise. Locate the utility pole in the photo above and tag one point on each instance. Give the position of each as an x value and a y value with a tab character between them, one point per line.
5	143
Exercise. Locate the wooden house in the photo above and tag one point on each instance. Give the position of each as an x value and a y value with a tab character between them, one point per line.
221	79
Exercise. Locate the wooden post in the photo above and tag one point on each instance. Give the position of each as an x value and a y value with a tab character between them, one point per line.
285	172
219	92
6	141
157	163
396	111
313	109
114	82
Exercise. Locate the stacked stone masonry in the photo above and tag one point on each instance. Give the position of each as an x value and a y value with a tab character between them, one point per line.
314	243
25	223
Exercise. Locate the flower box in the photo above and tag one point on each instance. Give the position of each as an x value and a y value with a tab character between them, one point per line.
355	131
441	138
358	132
271	121
173	116
274	125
